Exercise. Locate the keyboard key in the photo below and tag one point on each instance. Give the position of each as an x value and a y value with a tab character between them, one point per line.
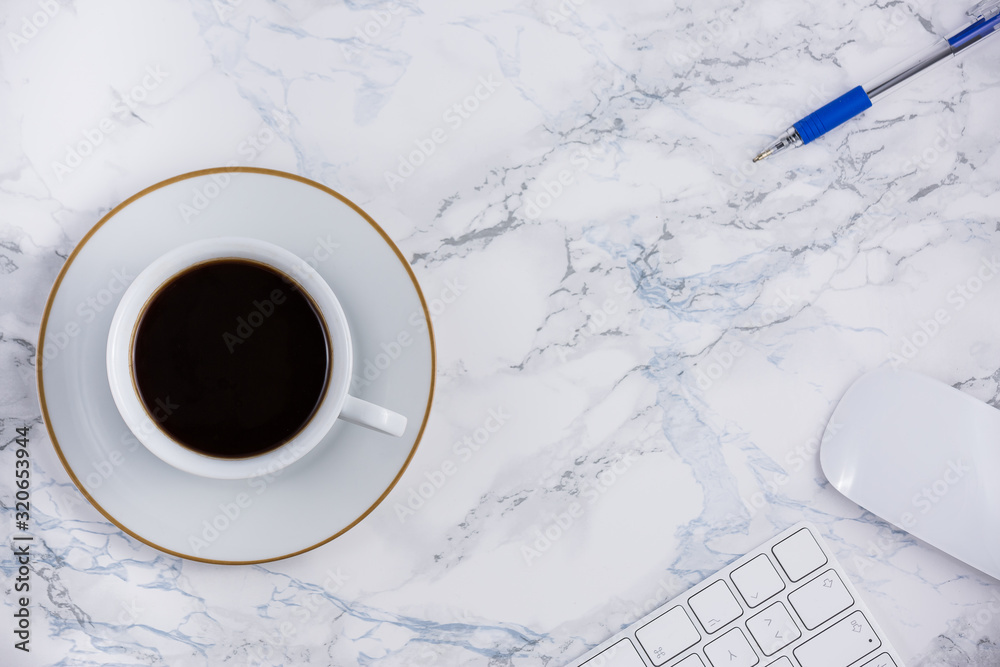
619	654
821	599
731	650
690	661
840	645
787	603
715	606
757	580
667	636
799	554
773	629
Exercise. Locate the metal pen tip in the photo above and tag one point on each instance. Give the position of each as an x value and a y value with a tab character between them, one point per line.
790	139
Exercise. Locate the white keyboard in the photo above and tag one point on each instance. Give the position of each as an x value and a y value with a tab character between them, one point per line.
786	604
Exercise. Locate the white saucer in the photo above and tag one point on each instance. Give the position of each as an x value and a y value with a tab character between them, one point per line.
313	500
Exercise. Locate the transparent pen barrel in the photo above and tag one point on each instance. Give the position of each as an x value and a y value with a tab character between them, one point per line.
908	70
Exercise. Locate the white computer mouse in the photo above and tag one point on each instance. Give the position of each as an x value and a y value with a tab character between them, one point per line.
923	456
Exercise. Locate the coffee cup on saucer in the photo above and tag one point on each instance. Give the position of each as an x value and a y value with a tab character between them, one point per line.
231	358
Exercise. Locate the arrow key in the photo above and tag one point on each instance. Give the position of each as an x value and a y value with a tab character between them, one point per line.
773	628
757	580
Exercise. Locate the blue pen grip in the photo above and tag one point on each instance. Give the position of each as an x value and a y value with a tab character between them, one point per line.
839	111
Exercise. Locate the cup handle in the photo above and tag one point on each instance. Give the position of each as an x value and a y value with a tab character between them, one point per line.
369	415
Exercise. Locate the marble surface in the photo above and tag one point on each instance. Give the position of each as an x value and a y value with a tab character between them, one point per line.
632	320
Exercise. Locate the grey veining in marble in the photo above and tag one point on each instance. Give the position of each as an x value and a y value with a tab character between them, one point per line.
664	325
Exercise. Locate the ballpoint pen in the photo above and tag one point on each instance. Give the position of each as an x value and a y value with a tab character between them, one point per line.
986	17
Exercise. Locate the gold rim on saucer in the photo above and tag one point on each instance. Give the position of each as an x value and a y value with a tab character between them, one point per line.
203	172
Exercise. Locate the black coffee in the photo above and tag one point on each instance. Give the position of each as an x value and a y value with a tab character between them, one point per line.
231	358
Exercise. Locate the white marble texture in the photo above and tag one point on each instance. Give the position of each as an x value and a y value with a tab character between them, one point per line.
599	323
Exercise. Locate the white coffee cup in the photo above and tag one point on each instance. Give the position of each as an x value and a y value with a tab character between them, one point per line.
335	404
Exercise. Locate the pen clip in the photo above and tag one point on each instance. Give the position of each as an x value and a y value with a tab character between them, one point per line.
985	10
